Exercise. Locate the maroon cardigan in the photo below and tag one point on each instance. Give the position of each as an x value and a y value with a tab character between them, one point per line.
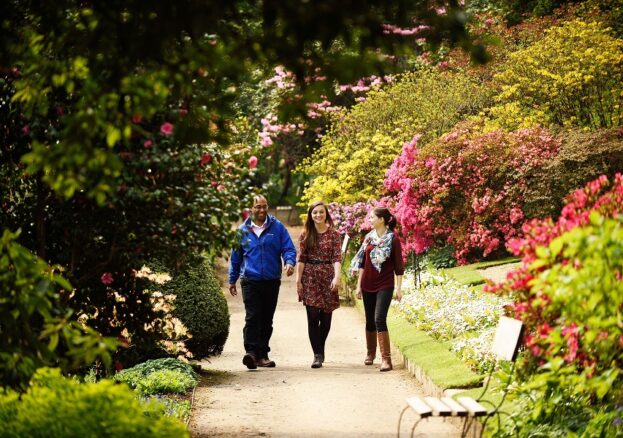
373	280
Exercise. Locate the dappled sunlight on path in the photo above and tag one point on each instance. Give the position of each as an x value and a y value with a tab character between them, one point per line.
343	398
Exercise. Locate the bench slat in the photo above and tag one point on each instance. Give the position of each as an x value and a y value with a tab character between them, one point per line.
457	409
439	407
472	406
420	407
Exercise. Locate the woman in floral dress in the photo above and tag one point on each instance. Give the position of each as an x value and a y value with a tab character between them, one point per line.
318	276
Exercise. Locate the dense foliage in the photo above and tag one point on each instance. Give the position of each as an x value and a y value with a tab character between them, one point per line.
59	407
466	189
350	164
200	305
37	326
571	77
569	295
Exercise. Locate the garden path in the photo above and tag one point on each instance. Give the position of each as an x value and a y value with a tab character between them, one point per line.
343	398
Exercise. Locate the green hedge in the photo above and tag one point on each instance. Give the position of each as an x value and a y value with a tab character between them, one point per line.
201	306
58	407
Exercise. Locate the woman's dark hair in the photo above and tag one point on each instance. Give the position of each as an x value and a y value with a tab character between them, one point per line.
385	214
310	239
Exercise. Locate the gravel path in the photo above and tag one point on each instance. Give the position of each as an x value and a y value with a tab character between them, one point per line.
343	398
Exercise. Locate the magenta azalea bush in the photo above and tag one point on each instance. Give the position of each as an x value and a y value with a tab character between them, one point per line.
466	188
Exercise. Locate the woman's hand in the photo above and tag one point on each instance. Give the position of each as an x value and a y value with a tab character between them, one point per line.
335	284
299	288
398	295
358	292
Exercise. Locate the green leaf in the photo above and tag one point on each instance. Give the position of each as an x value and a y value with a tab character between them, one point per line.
113	135
556	246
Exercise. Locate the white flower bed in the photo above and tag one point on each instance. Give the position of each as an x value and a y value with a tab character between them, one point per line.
448	310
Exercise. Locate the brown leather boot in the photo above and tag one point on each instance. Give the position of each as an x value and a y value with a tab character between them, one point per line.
371	344
386	355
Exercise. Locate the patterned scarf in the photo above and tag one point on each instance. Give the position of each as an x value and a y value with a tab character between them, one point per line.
381	251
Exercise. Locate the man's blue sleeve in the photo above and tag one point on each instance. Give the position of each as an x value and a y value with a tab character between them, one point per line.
288	250
234	265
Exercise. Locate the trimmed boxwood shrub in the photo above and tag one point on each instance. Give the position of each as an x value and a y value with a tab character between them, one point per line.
57	407
201	306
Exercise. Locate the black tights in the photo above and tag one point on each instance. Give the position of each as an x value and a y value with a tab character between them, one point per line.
318	326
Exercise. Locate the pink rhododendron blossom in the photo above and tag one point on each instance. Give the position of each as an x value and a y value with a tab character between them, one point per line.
106	278
166	128
252	162
147	144
455	194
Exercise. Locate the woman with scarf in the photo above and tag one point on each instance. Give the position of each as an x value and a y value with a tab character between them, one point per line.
378	261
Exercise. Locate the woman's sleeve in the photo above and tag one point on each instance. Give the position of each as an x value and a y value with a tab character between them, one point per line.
399	265
337	247
302	252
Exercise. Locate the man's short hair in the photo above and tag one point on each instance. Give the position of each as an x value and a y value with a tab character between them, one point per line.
258	198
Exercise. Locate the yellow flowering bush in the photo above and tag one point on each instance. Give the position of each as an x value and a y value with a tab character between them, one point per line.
571	77
361	144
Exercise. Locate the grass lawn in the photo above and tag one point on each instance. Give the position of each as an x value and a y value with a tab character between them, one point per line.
469	275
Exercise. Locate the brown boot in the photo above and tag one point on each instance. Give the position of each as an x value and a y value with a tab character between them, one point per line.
386	354
371	344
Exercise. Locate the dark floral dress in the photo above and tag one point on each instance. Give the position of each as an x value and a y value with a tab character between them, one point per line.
316	279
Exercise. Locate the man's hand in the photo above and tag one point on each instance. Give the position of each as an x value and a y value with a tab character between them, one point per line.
232	290
289	270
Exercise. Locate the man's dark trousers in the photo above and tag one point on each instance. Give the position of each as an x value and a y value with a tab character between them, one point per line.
260	302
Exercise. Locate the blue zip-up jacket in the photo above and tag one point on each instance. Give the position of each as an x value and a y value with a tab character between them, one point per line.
259	258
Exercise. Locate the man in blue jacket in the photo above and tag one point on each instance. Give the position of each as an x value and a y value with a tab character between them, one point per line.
264	242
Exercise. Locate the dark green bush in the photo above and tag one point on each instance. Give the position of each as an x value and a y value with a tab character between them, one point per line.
583	157
440	258
57	407
201	306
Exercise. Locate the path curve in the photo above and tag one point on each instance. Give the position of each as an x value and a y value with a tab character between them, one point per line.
343	398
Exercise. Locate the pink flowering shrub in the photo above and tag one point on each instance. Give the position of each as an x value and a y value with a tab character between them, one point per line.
466	189
531	304
569	295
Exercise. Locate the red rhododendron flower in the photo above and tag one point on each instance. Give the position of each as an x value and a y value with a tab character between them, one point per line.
206	159
107	278
137	118
166	128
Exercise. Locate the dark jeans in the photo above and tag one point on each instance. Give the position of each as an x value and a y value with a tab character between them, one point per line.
376	306
260	302
318	326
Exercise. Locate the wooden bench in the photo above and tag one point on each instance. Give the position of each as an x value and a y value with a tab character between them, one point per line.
505	347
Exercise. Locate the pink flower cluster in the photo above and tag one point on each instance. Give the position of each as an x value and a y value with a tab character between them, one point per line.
466	189
283	79
351	219
390	29
316	110
271	129
532	306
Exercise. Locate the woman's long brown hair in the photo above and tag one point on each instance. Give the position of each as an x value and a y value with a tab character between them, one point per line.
310	239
